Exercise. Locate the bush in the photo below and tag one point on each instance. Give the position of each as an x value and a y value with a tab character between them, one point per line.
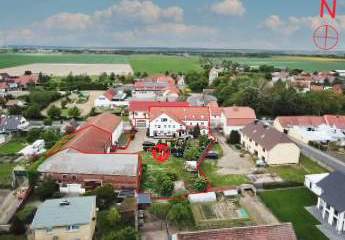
160	210
46	189
26	214
200	184
48	121
54	112
164	185
127	233
113	217
105	196
74	112
17	226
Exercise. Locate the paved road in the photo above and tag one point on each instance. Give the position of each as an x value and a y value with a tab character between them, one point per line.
320	156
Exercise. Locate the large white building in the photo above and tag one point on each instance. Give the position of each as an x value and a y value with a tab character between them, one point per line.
331	200
269	145
178	121
112	98
139	111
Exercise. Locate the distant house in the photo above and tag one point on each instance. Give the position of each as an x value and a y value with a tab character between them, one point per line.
69	167
235	118
269	145
4	87
112	98
156	88
331	200
214	74
13	123
178	121
25	81
139	111
282	231
67	218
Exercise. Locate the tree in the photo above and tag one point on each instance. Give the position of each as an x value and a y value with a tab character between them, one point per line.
191	153
127	233
26	214
74	112
50	136
203	140
234	138
33	112
113	217
46	189
33	134
64	103
196	131
105	196
17	226
54	112
196	81
15	110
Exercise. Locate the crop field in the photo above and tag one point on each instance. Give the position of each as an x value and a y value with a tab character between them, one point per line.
140	63
309	64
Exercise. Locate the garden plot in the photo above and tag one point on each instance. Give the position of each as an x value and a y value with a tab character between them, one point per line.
224	213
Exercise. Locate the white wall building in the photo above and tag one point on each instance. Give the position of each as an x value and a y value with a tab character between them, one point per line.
235	118
112	98
311	181
214	74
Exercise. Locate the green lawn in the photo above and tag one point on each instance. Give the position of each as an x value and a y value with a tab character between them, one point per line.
210	169
296	173
12	146
6	174
288	206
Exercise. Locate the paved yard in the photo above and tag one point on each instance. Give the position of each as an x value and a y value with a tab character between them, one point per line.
8	205
154	229
137	144
231	162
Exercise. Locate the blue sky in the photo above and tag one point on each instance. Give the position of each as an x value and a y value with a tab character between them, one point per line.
253	24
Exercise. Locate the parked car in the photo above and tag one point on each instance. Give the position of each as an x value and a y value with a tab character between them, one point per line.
261	163
147	145
212	155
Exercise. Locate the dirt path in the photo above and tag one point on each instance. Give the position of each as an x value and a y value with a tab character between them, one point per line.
258	211
231	162
84	108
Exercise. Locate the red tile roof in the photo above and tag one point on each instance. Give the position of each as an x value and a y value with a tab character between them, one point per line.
26	79
3	85
90	140
268	232
144	106
181	114
156	83
239	116
95	135
337	121
289	121
106	121
110	93
214	108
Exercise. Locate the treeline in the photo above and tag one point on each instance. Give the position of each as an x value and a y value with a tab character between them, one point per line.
280	99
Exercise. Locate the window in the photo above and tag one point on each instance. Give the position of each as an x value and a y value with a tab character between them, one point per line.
164	120
74	177
72	228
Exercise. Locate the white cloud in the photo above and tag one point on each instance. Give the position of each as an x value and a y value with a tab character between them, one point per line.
67	21
229	8
273	22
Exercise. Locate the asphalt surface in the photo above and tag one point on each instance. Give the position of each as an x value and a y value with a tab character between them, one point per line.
320	156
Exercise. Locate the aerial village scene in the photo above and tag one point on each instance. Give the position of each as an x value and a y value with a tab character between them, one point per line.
172	120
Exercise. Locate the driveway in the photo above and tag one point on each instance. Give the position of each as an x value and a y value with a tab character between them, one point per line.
155	229
231	162
137	144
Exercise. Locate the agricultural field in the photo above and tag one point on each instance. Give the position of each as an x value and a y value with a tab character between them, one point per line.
288	206
309	64
140	63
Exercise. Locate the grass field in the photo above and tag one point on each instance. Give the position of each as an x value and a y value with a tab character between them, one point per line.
309	64
12	146
296	173
6	174
216	180
140	63
288	206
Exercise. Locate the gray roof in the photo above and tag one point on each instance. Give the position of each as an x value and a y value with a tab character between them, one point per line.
10	123
73	162
333	190
265	136
52	213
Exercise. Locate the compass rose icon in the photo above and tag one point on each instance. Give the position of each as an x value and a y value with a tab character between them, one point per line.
326	37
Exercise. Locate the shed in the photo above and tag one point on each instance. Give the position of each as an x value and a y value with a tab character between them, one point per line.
202	197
